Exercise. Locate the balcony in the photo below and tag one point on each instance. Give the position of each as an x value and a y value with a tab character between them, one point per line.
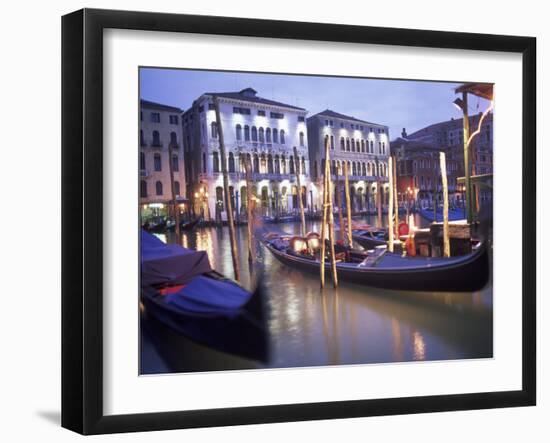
143	173
156	145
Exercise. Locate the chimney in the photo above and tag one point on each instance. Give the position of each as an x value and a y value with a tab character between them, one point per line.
404	133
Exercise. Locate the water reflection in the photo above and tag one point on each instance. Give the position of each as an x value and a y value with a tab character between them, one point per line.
353	324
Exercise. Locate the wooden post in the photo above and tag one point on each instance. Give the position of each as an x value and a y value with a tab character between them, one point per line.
379	203
175	210
446	244
330	218
228	207
466	137
323	226
348	202
393	171
250	214
300	198
339	203
390	206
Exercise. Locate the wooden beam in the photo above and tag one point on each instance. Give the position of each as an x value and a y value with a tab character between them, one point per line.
300	198
348	203
446	243
390	206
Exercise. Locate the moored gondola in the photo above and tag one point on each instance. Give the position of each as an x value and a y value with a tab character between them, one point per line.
382	269
181	290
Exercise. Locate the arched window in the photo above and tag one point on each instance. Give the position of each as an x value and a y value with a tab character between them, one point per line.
254	134
326	141
156	139
175	163
173	138
219	198
143	189
215	162
304	166
239	132
332	142
342	144
291	163
214	129
158	163
275	136
362	145
323	165
177	190
246	133
263	164
270	164
333	167
203	162
282	137
277	165
347	145
261	135
268	135
302	139
231	163
283	164
352	145
141	139
371	147
364	169
158	187
256	163
142	161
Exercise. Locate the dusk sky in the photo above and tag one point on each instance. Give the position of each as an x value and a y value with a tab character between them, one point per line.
396	103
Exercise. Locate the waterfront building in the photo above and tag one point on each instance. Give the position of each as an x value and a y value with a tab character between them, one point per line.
160	136
418	162
263	131
363	145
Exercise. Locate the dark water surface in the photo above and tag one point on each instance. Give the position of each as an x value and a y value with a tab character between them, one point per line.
351	325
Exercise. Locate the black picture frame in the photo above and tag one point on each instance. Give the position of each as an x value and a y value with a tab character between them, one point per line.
82	229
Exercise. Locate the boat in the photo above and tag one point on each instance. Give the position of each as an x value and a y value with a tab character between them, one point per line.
454	214
383	269
370	237
181	290
188	226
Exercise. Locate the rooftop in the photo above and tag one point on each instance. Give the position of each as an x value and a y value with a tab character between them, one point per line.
249	95
334	114
159	106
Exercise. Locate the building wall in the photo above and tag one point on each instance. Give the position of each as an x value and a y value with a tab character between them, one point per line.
371	165
150	150
203	150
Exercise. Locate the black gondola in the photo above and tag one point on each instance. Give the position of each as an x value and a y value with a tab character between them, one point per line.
180	290
387	270
370	238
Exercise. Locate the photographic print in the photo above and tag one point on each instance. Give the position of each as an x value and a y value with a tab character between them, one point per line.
294	220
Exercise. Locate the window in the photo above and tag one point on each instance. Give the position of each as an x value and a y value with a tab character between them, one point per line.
211	107
177	189
341	125
261	135
303	165
175	163
246	133
347	145
231	163
261	113
158	164
301	118
268	135
326	122
282	136
158	187
155	117
203	162
301	139
332	142
331	123
143	189
291	164
215	162
141	139
270	164
352	145
243	111
276	115
141	115
219	198
173	119
214	129
141	161
275	136
173	138
239	132
256	163
342	144
254	134
156	139
371	146
326	141
201	108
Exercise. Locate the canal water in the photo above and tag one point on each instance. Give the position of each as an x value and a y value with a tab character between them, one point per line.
351	325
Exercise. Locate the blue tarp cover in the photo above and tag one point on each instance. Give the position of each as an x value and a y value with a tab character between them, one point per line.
206	295
163	264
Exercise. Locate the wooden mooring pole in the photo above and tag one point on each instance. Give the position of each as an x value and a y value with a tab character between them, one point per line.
446	242
300	197
348	203
228	205
249	210
390	206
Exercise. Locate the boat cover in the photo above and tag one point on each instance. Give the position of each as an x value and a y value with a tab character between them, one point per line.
163	264
206	295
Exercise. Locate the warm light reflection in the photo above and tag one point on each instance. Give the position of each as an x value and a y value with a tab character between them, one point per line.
419	347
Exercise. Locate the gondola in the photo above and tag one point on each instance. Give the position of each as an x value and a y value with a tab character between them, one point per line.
188	226
181	290
370	238
382	269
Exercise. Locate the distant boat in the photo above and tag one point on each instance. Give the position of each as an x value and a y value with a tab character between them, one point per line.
454	214
181	290
384	269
